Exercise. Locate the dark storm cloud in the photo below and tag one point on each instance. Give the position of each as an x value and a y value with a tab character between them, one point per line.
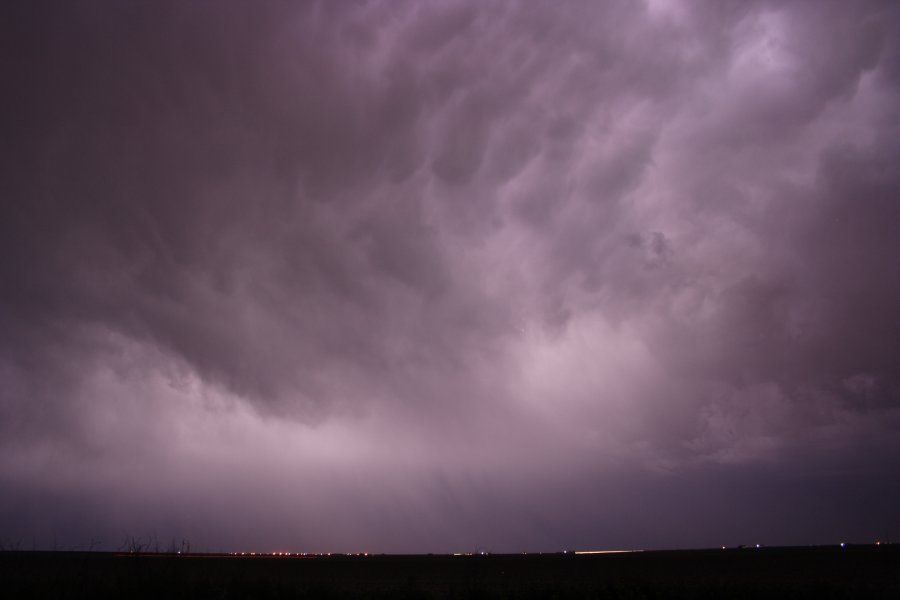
387	259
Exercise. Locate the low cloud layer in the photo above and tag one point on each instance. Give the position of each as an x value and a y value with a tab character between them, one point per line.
444	276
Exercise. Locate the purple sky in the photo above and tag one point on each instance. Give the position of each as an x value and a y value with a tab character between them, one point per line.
450	276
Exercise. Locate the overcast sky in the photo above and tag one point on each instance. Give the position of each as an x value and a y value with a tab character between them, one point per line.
449	276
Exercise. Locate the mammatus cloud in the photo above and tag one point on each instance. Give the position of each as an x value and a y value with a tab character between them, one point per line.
403	275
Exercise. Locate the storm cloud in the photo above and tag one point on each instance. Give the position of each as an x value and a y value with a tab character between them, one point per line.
444	276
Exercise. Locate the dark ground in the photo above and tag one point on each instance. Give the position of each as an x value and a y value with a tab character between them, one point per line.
815	572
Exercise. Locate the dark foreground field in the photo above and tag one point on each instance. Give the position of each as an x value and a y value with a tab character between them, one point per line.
822	572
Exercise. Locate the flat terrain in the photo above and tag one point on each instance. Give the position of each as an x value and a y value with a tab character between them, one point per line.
815	572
